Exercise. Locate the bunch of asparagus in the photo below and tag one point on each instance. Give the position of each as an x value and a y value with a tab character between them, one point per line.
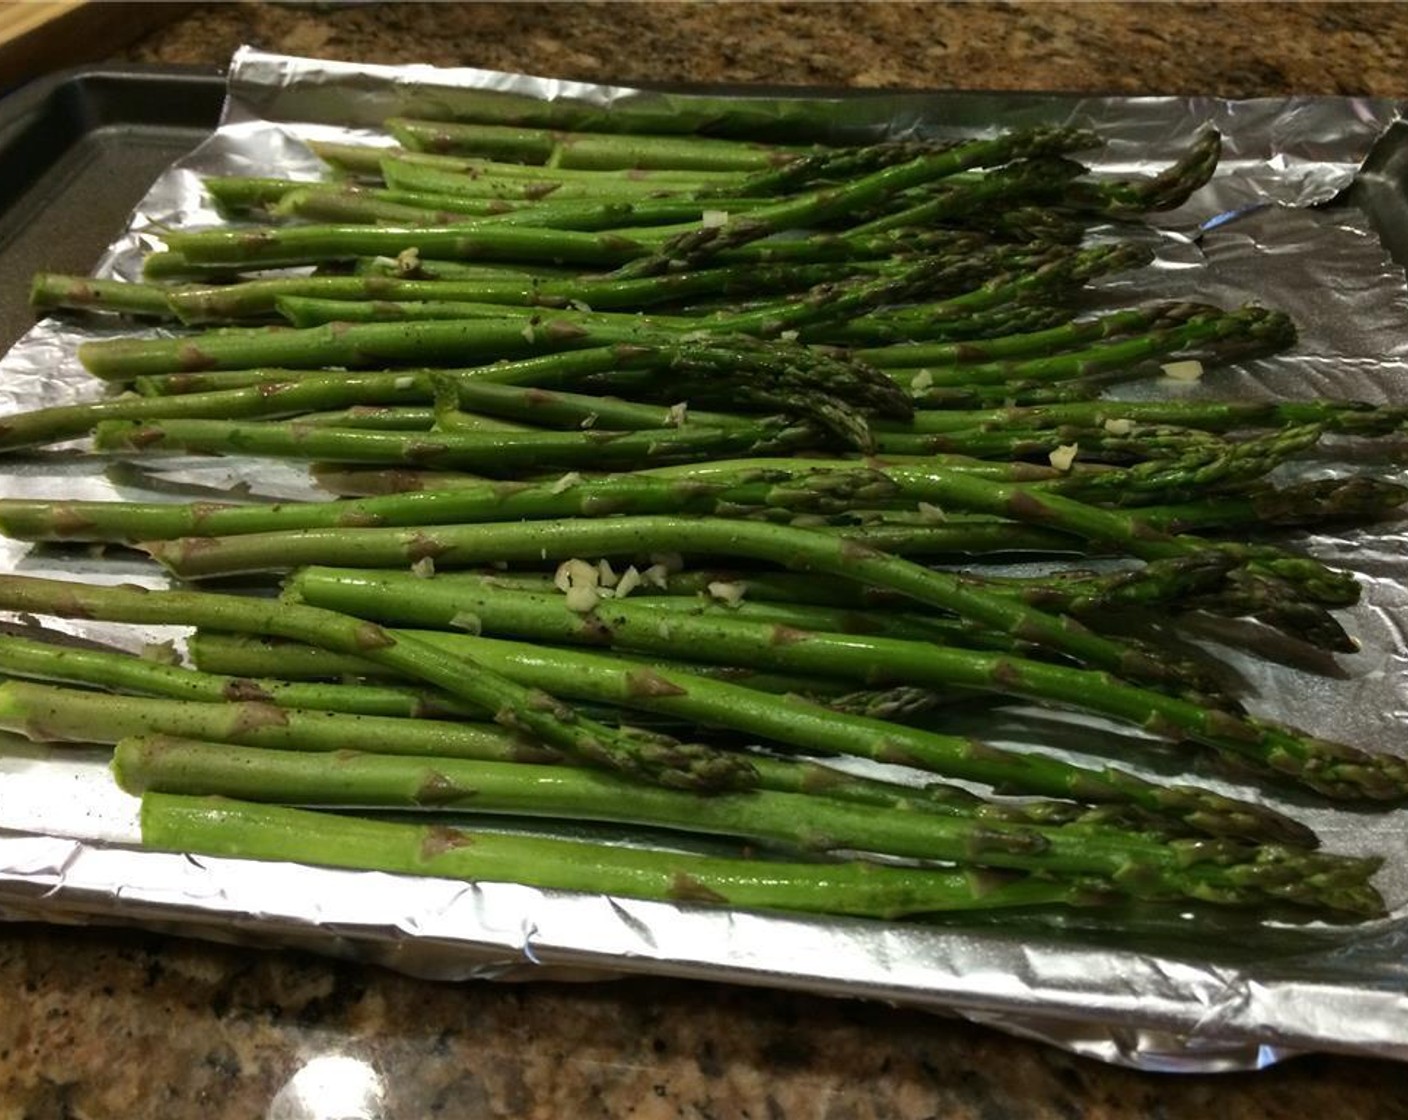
745	421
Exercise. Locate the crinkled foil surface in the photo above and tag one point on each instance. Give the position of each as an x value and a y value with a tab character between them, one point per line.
1195	991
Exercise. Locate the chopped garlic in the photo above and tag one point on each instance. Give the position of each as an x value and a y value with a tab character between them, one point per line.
405	382
468	622
566	482
424	568
630	580
657	575
1119	427
728	593
1190	370
931	514
1064	456
714	219
589	420
527	333
579	305
575	573
606	575
408	260
677	415
582	599
922	381
663	629
788	336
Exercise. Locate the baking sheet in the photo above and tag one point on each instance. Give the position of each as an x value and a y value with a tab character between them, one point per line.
1193	991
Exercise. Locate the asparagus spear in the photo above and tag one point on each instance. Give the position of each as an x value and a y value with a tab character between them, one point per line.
1269	329
292	245
597	179
212	303
644	113
240	656
563	539
497	452
688	693
1355	417
458	342
1026	181
1155	868
266	714
408	172
1167	190
27	519
22	656
587	149
52	714
684	765
263	399
49	290
1333	769
250	831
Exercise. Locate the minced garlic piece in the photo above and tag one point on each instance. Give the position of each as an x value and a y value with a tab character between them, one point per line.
1191	370
582	599
629	581
566	482
1064	456
728	593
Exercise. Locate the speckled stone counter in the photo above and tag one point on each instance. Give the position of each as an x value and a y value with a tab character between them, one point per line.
98	1024
1236	50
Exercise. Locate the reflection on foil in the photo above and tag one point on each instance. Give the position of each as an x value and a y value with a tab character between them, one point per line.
331	1087
1228	216
1202	992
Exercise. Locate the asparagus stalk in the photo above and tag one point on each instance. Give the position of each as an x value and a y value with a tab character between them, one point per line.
1333	769
128	522
536	713
1154	868
588	149
1354	417
821	206
214	303
496	452
265	398
268	714
1200	327
1029	180
236	655
295	245
687	693
596	179
49	291
408	172
1169	189
114	671
460	342
52	714
251	831
563	539
687	115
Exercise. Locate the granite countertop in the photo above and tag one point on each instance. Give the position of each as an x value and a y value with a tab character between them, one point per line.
114	1024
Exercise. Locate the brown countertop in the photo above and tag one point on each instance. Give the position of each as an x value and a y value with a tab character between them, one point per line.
99	1024
1231	49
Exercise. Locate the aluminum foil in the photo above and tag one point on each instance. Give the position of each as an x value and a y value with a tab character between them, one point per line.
1194	991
